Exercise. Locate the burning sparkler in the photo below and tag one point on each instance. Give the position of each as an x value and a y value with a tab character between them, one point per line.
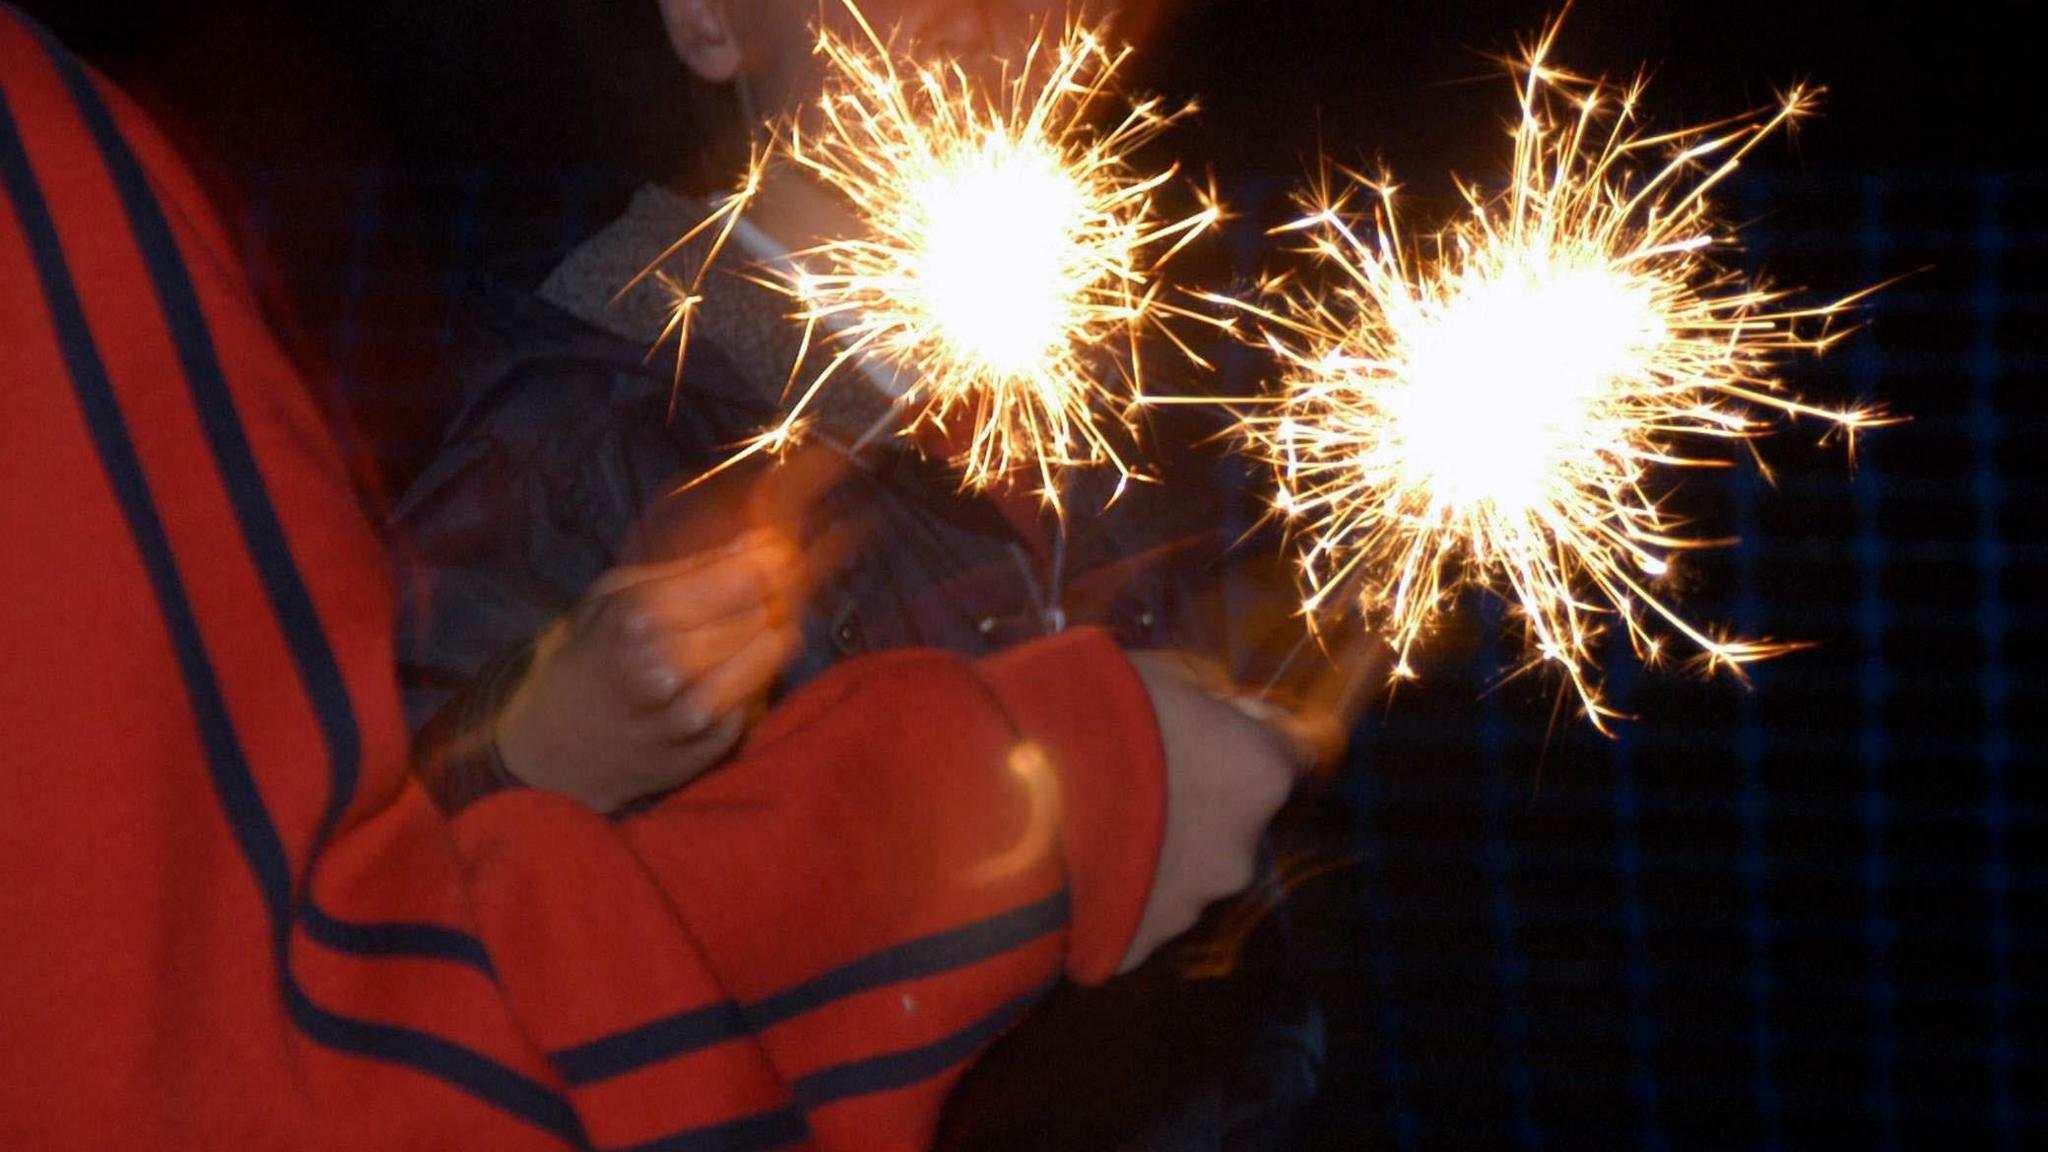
1507	405
1010	247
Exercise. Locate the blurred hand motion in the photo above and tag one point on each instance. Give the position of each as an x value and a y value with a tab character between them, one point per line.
660	673
654	682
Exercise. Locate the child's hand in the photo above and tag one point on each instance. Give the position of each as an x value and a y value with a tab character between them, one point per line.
655	679
1227	773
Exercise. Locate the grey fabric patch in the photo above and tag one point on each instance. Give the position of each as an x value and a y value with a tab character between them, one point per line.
750	323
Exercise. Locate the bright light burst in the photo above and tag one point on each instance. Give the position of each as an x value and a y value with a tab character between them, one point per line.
1009	254
1509	403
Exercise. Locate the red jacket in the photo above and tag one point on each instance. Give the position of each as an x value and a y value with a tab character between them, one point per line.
232	921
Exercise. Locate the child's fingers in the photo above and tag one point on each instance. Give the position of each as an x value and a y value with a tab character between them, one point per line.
626	577
628	648
732	583
630	577
652	664
697	652
747	674
694	743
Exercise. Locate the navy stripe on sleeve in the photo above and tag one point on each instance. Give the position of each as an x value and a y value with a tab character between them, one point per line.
883	1073
123	469
262	532
394	938
255	835
893	1070
917	959
701	1028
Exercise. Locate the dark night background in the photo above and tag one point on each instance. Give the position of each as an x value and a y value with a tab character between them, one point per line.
1806	915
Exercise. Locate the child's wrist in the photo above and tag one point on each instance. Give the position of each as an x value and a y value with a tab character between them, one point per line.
520	740
457	758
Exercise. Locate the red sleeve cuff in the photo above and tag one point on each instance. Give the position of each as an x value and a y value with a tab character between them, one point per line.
1078	698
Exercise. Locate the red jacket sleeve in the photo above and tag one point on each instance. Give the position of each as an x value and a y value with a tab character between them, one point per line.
231	921
828	928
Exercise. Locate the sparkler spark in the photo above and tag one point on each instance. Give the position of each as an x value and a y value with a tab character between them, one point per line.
1010	243
686	294
1509	403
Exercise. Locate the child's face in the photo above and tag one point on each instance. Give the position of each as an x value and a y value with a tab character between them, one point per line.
766	44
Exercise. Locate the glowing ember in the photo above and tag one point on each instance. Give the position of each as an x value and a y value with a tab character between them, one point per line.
1008	254
1507	404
